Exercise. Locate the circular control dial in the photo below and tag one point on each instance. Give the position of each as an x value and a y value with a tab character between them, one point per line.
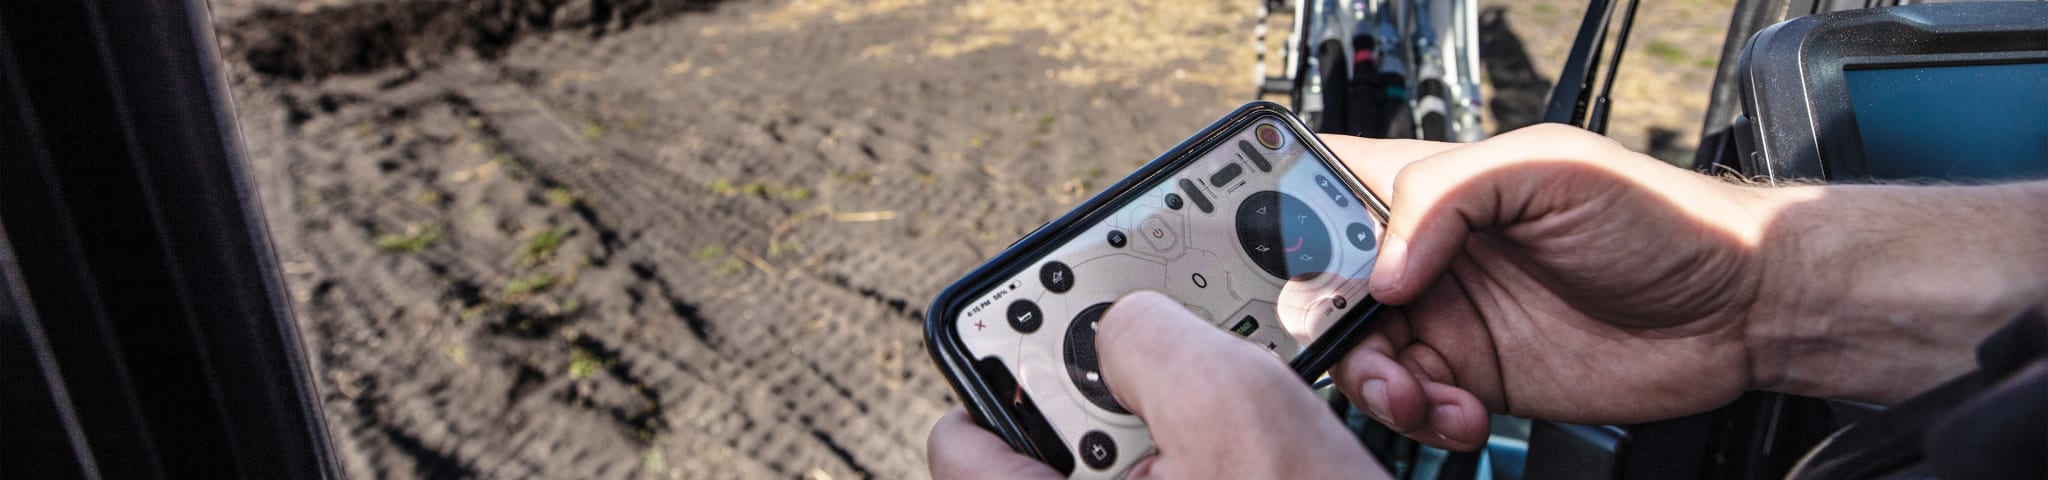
1082	365
1283	235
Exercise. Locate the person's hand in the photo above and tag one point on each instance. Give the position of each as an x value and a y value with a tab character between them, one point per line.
1217	407
1550	273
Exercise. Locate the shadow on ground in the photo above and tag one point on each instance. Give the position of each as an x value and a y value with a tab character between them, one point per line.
1519	92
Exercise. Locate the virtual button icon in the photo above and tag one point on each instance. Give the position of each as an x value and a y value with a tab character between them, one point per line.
1098	451
1056	276
1360	236
1157	233
1025	316
1331	190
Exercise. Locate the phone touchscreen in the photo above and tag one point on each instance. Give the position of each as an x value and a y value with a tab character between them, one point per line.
1258	235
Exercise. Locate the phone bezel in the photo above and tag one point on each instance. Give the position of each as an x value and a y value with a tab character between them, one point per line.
942	338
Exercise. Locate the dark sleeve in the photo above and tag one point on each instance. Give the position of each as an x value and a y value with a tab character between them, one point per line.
1989	423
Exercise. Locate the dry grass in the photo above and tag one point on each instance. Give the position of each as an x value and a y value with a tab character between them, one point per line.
1156	45
1665	74
1141	43
1160	45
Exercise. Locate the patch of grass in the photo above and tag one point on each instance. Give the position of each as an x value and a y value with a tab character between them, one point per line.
710	252
756	189
1045	123
456	353
730	266
1665	51
428	198
472	313
778	248
537	282
795	194
474	122
541	246
562	197
572	305
652	460
583	364
591	130
856	176
414	239
723	187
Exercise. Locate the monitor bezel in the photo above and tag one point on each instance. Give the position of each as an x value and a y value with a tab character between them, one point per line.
1799	120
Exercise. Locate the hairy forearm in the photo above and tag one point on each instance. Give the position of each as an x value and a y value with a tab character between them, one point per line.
1877	292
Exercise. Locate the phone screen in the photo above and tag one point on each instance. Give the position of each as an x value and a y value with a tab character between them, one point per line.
1258	235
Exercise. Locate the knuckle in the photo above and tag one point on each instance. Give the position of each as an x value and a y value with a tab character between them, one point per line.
1575	139
1425	362
1551	131
1414	177
1120	323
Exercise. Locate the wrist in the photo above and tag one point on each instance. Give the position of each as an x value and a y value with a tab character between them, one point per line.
1770	331
1874	293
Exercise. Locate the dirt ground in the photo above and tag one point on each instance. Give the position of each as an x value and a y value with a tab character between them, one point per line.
687	239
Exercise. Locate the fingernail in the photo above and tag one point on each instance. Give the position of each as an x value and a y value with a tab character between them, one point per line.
1375	394
1444	417
1391	266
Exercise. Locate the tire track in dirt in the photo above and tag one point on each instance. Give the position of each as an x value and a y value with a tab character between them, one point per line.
827	437
490	128
741	228
508	325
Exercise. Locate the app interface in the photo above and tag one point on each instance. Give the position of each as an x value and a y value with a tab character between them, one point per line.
1257	236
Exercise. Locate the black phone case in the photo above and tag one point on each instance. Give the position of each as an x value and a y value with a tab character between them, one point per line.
943	341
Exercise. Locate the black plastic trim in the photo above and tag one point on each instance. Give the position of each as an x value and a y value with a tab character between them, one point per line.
140	251
1797	101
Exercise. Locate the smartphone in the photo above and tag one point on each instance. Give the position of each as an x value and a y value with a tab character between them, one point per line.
1252	224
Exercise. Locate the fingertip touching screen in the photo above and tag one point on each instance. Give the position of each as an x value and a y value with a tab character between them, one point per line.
1257	235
